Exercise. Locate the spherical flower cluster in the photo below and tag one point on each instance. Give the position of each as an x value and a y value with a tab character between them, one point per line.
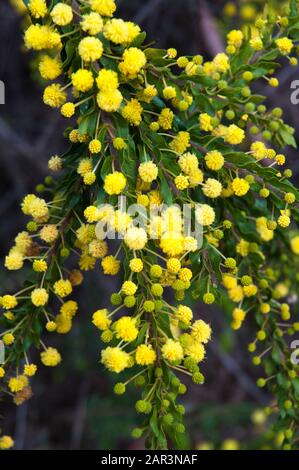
62	14
110	265
148	171
145	355
51	357
125	329
6	442
50	68
240	186
172	351
136	238
54	96
119	31
110	101
214	160
82	80
115	183
92	23
38	8
201	331
133	61
212	188
285	45
129	288
68	110
103	7
132	112
39	297
100	319
115	359
90	49
234	135
39	37
235	38
63	288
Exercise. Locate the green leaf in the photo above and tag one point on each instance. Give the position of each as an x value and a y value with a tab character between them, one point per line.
293	9
106	167
165	189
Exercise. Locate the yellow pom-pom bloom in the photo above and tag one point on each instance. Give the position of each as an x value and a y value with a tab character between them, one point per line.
94	146
166	119
49	68
82	80
68	110
181	142
51	357
9	301
125	329
119	31
188	163
103	7
39	297
115	359
38	8
214	160
181	182
90	49
205	214
221	62
39	265
54	96
62	14
92	23
212	188
18	383
205	122
115	183
295	245
14	261
63	288
133	61
6	442
184	314
169	92
234	135
136	265
98	249
129	288
240	186
284	221
30	370
235	38
148	172
136	238
38	37
195	350
110	101
172	351
285	45
8	339
107	80
100	319
173	265
132	112
201	331
110	265
145	355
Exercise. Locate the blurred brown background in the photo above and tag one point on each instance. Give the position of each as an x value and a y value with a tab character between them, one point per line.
73	406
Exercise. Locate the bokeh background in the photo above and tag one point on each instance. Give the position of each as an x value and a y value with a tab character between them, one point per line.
73	406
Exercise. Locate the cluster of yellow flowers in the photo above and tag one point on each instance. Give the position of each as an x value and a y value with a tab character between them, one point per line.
164	142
